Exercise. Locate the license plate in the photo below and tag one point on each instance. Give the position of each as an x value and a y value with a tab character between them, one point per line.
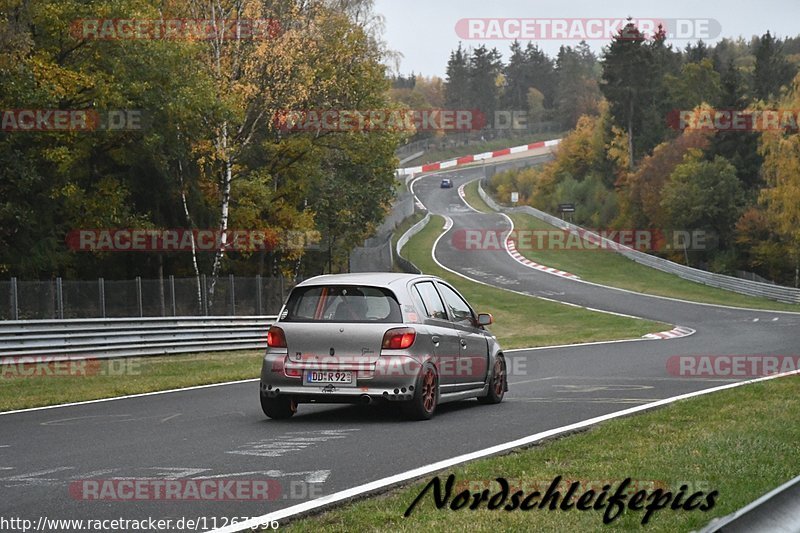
325	377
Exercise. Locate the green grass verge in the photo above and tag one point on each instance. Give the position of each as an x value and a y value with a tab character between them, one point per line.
119	377
488	146
610	268
474	199
523	321
741	442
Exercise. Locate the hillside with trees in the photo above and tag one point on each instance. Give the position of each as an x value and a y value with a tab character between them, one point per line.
209	152
628	164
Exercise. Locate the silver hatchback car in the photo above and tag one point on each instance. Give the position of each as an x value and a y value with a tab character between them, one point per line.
359	338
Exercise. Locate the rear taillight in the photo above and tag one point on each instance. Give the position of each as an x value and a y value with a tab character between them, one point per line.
398	338
276	338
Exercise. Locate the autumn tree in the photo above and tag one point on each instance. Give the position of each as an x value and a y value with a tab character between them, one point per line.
703	195
642	189
781	168
696	84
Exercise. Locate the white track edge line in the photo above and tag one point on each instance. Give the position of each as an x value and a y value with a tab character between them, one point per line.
670	298
449	225
128	396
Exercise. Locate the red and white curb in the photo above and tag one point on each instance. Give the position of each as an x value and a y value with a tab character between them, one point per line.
675	333
519	258
443	165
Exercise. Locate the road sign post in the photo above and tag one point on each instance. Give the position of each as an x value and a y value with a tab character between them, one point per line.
566	208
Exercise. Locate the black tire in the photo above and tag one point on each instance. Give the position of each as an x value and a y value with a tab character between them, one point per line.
426	395
498	383
279	408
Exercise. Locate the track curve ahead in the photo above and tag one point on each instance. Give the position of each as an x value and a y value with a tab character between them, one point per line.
219	431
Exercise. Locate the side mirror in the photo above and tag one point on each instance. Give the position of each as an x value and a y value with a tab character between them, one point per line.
485	319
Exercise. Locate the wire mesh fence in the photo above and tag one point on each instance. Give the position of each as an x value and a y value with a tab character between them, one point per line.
170	296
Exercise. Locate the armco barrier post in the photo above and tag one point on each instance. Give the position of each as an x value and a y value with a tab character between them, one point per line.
101	298
59	299
161	299
14	300
172	295
258	294
204	296
139	295
232	299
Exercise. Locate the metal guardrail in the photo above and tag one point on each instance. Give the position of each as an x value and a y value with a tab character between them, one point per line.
721	281
777	511
407	265
488	199
58	340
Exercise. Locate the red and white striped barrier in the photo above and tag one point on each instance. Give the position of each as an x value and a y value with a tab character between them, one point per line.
443	165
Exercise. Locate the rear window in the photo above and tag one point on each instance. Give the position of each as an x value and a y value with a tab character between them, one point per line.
341	303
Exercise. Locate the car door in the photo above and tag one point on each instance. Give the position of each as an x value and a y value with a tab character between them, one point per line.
473	356
445	341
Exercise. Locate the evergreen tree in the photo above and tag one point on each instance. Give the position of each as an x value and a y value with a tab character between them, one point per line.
772	71
484	69
456	86
627	85
541	73
517	79
577	91
738	147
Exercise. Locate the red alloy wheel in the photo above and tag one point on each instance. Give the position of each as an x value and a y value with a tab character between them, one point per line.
499	377
429	390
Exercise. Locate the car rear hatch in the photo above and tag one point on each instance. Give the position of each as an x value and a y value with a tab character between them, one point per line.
338	326
342	345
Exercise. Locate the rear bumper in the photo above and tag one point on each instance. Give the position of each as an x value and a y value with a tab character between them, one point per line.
338	394
393	378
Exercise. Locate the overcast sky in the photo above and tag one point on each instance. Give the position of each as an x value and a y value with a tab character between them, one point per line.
424	31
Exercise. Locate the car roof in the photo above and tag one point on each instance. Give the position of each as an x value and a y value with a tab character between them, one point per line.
379	279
